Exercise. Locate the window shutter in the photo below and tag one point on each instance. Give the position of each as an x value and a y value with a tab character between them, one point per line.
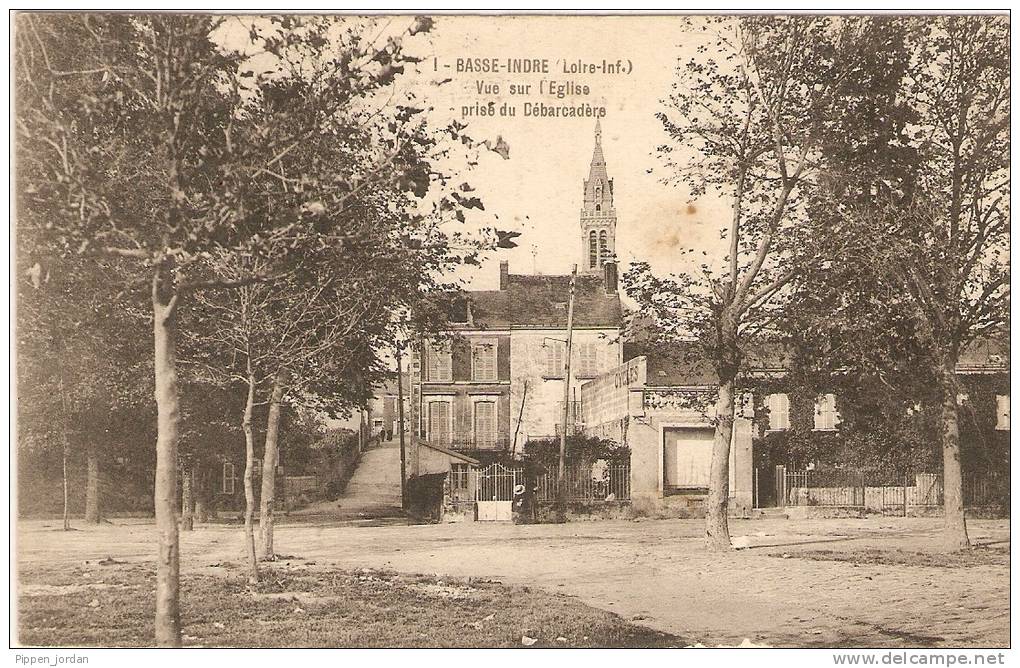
554	359
826	417
779	412
483	361
440	363
431	366
439	422
485	423
825	412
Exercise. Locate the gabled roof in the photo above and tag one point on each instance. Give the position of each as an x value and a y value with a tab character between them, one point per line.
452	453
685	365
540	301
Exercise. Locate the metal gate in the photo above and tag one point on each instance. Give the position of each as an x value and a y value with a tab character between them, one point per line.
494	492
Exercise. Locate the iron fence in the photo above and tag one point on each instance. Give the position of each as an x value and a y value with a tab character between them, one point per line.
882	489
588	484
468	441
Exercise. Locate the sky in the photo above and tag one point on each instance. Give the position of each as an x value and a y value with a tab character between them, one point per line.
538	190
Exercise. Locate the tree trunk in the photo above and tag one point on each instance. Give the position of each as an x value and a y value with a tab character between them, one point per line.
727	364
66	455
65	452
93	489
168	617
199	481
249	488
187	498
270	458
717	530
955	534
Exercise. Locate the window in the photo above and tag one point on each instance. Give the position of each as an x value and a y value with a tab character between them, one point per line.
1002	411
779	412
587	359
593	250
229	478
554	358
256	467
440	422
485	424
603	247
460	310
826	417
440	363
483	360
459	476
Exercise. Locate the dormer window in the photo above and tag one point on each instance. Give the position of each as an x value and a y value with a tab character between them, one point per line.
460	310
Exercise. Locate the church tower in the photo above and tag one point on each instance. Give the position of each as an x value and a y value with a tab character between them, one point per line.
598	217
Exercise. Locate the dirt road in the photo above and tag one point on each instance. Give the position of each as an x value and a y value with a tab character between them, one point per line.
656	572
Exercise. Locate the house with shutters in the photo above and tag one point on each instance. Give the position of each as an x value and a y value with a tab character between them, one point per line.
663	409
496	379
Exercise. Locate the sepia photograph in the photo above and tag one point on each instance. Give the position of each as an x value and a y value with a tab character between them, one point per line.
494	330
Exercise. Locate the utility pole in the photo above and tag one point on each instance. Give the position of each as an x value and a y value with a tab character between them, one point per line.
561	489
400	430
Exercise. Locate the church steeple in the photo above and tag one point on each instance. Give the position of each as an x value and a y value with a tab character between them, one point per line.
598	217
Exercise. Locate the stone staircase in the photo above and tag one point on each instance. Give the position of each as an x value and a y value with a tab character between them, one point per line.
372	494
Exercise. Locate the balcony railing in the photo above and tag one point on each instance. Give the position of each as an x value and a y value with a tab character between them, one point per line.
470	442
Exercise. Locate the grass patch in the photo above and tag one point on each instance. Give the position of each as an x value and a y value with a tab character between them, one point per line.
977	556
303	605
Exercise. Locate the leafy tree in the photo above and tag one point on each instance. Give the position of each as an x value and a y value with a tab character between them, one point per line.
305	336
77	371
750	124
913	248
140	142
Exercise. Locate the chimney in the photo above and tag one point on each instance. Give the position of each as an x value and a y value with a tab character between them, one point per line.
610	275
504	274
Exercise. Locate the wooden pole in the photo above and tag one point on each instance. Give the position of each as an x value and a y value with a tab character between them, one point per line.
561	491
400	431
905	494
520	416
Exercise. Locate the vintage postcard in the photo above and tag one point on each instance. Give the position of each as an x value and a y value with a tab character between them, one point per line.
509	331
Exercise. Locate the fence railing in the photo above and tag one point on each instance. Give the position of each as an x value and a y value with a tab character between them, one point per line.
588	484
468	441
880	489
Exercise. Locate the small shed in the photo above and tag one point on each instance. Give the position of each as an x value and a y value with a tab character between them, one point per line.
439	481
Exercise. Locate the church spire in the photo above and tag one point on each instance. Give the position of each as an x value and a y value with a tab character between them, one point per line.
598	216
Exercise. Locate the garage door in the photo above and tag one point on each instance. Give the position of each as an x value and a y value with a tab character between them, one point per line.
687	457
